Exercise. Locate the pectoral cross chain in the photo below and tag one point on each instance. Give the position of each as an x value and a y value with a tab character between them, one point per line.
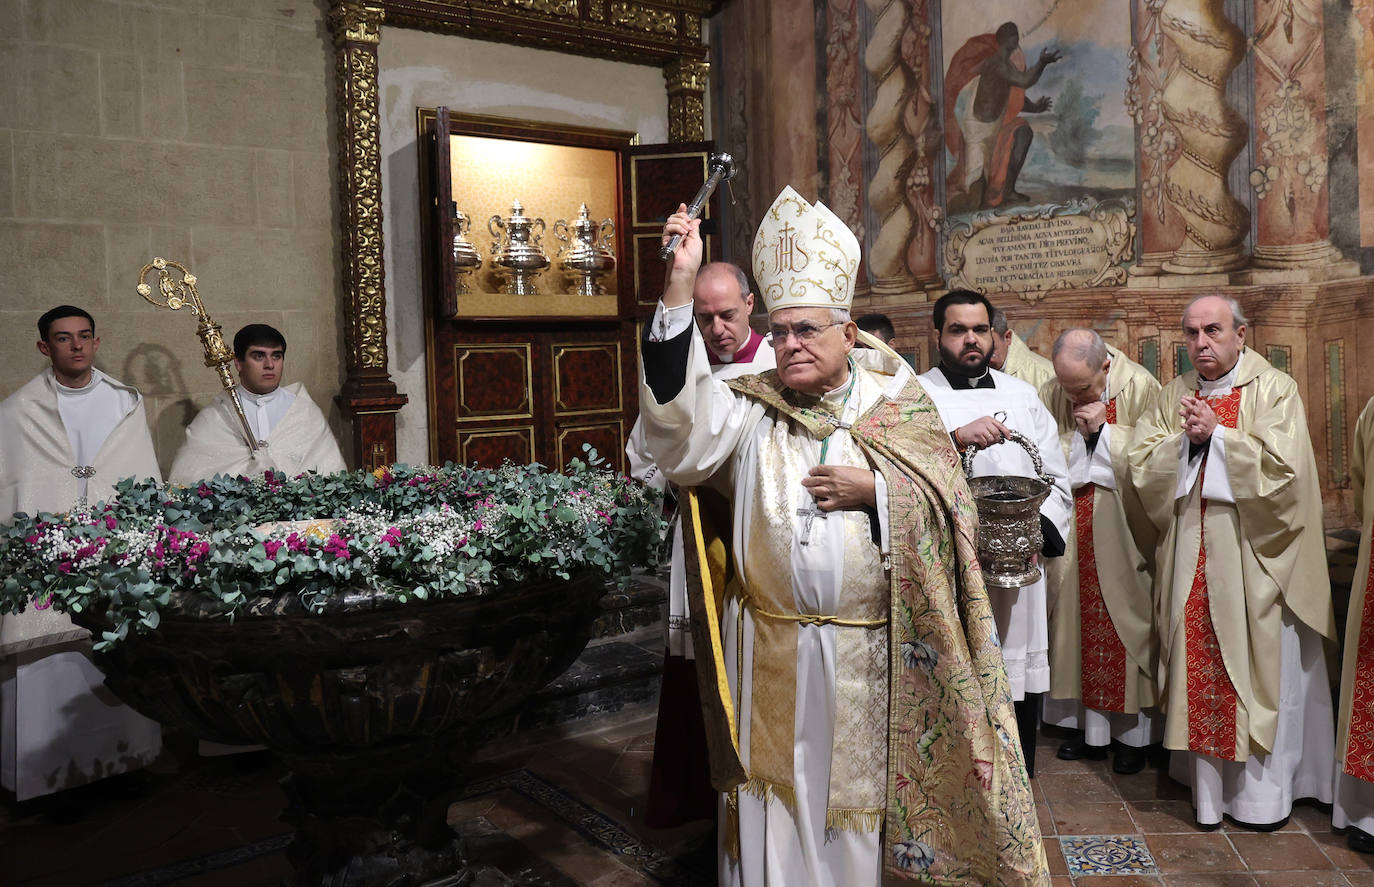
808	514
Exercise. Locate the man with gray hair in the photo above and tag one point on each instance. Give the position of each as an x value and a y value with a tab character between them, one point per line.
1103	650
1223	464
1011	355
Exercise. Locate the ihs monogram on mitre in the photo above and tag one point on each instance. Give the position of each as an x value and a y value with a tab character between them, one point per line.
804	256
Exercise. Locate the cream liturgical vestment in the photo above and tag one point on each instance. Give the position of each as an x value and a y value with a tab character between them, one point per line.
1354	801
760	357
296	434
1102	636
816	634
1024	364
1023	613
1243	597
59	726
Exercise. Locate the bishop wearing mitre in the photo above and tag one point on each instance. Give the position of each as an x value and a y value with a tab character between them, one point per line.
1103	643
293	436
66	438
859	718
1224	466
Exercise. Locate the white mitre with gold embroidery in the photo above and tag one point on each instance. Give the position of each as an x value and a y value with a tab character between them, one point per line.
804	256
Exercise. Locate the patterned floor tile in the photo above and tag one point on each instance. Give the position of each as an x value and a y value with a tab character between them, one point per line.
1107	855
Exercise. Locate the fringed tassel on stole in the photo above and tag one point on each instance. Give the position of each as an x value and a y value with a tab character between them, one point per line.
854	819
765	790
732	824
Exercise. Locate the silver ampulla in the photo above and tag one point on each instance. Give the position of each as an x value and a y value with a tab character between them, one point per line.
722	167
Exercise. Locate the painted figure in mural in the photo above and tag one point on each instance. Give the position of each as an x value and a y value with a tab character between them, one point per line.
990	143
1224	467
839	608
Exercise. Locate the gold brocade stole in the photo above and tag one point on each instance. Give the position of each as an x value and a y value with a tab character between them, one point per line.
859	744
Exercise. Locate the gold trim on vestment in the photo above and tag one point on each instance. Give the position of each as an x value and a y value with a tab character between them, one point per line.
809	618
854	820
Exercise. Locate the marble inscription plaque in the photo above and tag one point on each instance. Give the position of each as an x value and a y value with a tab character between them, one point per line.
1081	244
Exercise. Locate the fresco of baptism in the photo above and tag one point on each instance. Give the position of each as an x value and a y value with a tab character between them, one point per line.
693	442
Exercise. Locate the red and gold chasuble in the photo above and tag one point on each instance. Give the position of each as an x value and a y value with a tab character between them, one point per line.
1359	752
1212	698
1103	656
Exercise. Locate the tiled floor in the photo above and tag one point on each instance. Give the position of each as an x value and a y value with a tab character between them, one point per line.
568	810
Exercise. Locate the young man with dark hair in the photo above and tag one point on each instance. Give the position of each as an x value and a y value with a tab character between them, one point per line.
66	438
969	394
291	432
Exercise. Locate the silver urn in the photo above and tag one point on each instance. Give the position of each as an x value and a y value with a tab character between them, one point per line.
588	250
1009	534
516	250
466	258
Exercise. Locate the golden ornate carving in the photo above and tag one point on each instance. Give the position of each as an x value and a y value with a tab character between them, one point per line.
1207	47
353	22
547	7
643	18
693	23
686	81
360	184
596	10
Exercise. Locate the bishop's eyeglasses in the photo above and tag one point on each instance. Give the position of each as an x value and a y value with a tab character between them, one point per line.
805	332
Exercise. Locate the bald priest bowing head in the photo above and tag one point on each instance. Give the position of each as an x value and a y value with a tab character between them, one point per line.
292	433
830	546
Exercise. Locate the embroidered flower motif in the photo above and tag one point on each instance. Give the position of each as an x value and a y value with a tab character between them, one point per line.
918	653
982	771
913	856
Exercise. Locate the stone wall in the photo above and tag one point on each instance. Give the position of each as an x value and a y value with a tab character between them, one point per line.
192	130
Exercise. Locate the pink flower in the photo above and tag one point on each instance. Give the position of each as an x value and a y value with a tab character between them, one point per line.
296	543
392	537
109	522
204	491
338	547
477	525
272	546
32	540
64	567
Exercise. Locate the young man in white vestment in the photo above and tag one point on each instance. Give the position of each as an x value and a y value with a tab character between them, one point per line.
66	438
857	710
1353	807
970	395
1011	355
292	433
1103	648
1223	465
679	779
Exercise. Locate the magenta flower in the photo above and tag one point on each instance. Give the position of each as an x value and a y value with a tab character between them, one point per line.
204	491
272	546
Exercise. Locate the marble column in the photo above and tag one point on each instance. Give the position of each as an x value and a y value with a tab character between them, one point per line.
1161	227
1289	177
894	84
1207	47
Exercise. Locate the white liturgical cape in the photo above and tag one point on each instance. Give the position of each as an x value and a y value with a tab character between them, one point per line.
1022	614
296	434
708	433
59	726
643	468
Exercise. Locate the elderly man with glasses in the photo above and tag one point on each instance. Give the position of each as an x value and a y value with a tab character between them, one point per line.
859	719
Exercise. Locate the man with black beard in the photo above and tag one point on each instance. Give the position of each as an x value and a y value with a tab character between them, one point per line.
979	406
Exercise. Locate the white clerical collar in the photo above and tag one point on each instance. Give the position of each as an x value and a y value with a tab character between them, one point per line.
96	378
260	399
1221	387
725	358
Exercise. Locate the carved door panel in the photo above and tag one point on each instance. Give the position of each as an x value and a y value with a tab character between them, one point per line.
660	177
